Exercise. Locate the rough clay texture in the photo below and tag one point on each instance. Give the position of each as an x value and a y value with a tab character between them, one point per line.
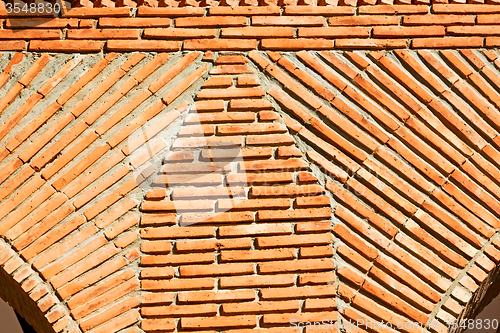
238	191
188	25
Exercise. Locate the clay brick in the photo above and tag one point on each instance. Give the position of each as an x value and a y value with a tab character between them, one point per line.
297	44
169	11
436	19
216	296
368	251
316	252
177	259
312	226
474	31
180	88
208	179
157	194
10	227
231	59
231	69
91	293
287	20
244	10
463	9
288	190
220	44
293	240
368	305
226	204
245	153
215	192
142	45
287	152
17	45
301	265
103	33
84	12
150	298
400	287
353	257
275	318
210	218
178	33
261	307
334	32
157	324
38	292
179	205
256	230
80	253
80	46
453	224
217	82
389	9
218	322
121	226
106	298
493	253
181	232
230	93
307	177
216	270
318	10
179	284
257	32
46	303
423	270
157	272
314	304
110	22
249	105
268	116
94	276
371	43
447	42
290	164
113	312
297	292
156	247
257	255
296	214
207	245
85	265
426	255
477	274
404	32
168	75
257	281
250	129
200	22
363	20
54	235
487	19
180	310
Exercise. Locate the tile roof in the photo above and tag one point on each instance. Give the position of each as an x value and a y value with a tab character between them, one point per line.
255	188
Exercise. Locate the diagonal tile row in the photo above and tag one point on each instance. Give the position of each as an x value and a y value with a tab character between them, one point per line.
68	187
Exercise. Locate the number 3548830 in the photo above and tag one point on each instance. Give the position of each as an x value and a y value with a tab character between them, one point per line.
32	8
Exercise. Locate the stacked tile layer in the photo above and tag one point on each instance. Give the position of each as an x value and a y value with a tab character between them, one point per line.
290	27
